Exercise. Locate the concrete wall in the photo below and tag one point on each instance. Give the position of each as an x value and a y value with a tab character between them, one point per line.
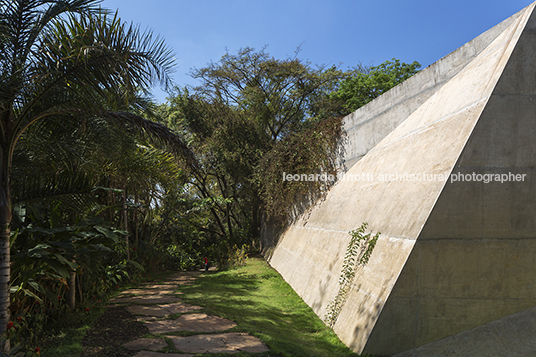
474	260
512	335
438	237
368	125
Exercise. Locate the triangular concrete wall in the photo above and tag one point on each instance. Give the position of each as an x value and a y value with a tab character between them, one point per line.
368	125
452	255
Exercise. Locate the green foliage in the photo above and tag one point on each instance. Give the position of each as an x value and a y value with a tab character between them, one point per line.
250	113
24	331
277	95
114	276
257	298
65	62
366	84
45	257
46	251
227	145
238	256
314	150
16	350
358	253
177	258
66	205
161	257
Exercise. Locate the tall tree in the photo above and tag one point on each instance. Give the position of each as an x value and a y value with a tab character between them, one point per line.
367	83
245	105
277	95
65	58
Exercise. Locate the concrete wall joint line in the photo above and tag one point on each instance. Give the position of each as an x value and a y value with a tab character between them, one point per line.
424	128
383	112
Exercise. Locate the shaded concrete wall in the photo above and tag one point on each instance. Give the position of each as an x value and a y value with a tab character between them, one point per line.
474	261
513	335
403	310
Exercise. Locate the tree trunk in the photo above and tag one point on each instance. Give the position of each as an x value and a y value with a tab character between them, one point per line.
71	297
255	225
125	220
80	295
5	222
229	224
136	222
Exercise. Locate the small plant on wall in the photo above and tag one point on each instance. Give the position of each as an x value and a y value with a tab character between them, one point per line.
358	253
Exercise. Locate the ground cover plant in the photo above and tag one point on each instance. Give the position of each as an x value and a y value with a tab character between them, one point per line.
252	294
264	305
95	330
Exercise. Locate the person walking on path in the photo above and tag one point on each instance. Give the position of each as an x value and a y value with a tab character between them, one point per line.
206	263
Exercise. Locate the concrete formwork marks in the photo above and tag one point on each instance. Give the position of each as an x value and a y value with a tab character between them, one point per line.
419	285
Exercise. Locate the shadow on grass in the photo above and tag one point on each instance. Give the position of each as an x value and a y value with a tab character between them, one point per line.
263	304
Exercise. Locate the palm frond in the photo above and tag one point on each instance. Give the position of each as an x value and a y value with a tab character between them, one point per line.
22	26
89	62
155	132
72	191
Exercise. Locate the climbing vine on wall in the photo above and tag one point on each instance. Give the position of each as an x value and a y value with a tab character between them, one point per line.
315	149
358	253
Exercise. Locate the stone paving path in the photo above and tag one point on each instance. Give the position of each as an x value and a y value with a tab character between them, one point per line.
157	306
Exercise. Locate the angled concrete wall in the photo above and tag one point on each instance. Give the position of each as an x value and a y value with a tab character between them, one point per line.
368	125
512	335
474	260
452	255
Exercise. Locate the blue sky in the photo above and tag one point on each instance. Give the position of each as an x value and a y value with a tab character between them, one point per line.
334	32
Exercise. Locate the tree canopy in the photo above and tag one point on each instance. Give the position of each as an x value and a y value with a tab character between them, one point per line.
279	95
92	171
247	106
367	83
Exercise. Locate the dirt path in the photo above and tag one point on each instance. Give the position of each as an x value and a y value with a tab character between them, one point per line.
163	313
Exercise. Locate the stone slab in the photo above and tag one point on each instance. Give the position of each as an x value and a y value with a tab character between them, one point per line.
159	354
162	310
165	286
146	318
232	342
150	291
191	322
146	299
153	344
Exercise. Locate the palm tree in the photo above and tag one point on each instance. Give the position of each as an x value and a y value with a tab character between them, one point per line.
59	170
68	58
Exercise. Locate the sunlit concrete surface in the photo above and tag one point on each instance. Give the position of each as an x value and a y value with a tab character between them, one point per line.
453	254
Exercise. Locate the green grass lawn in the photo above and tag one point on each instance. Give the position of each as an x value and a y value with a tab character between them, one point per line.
263	304
254	296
